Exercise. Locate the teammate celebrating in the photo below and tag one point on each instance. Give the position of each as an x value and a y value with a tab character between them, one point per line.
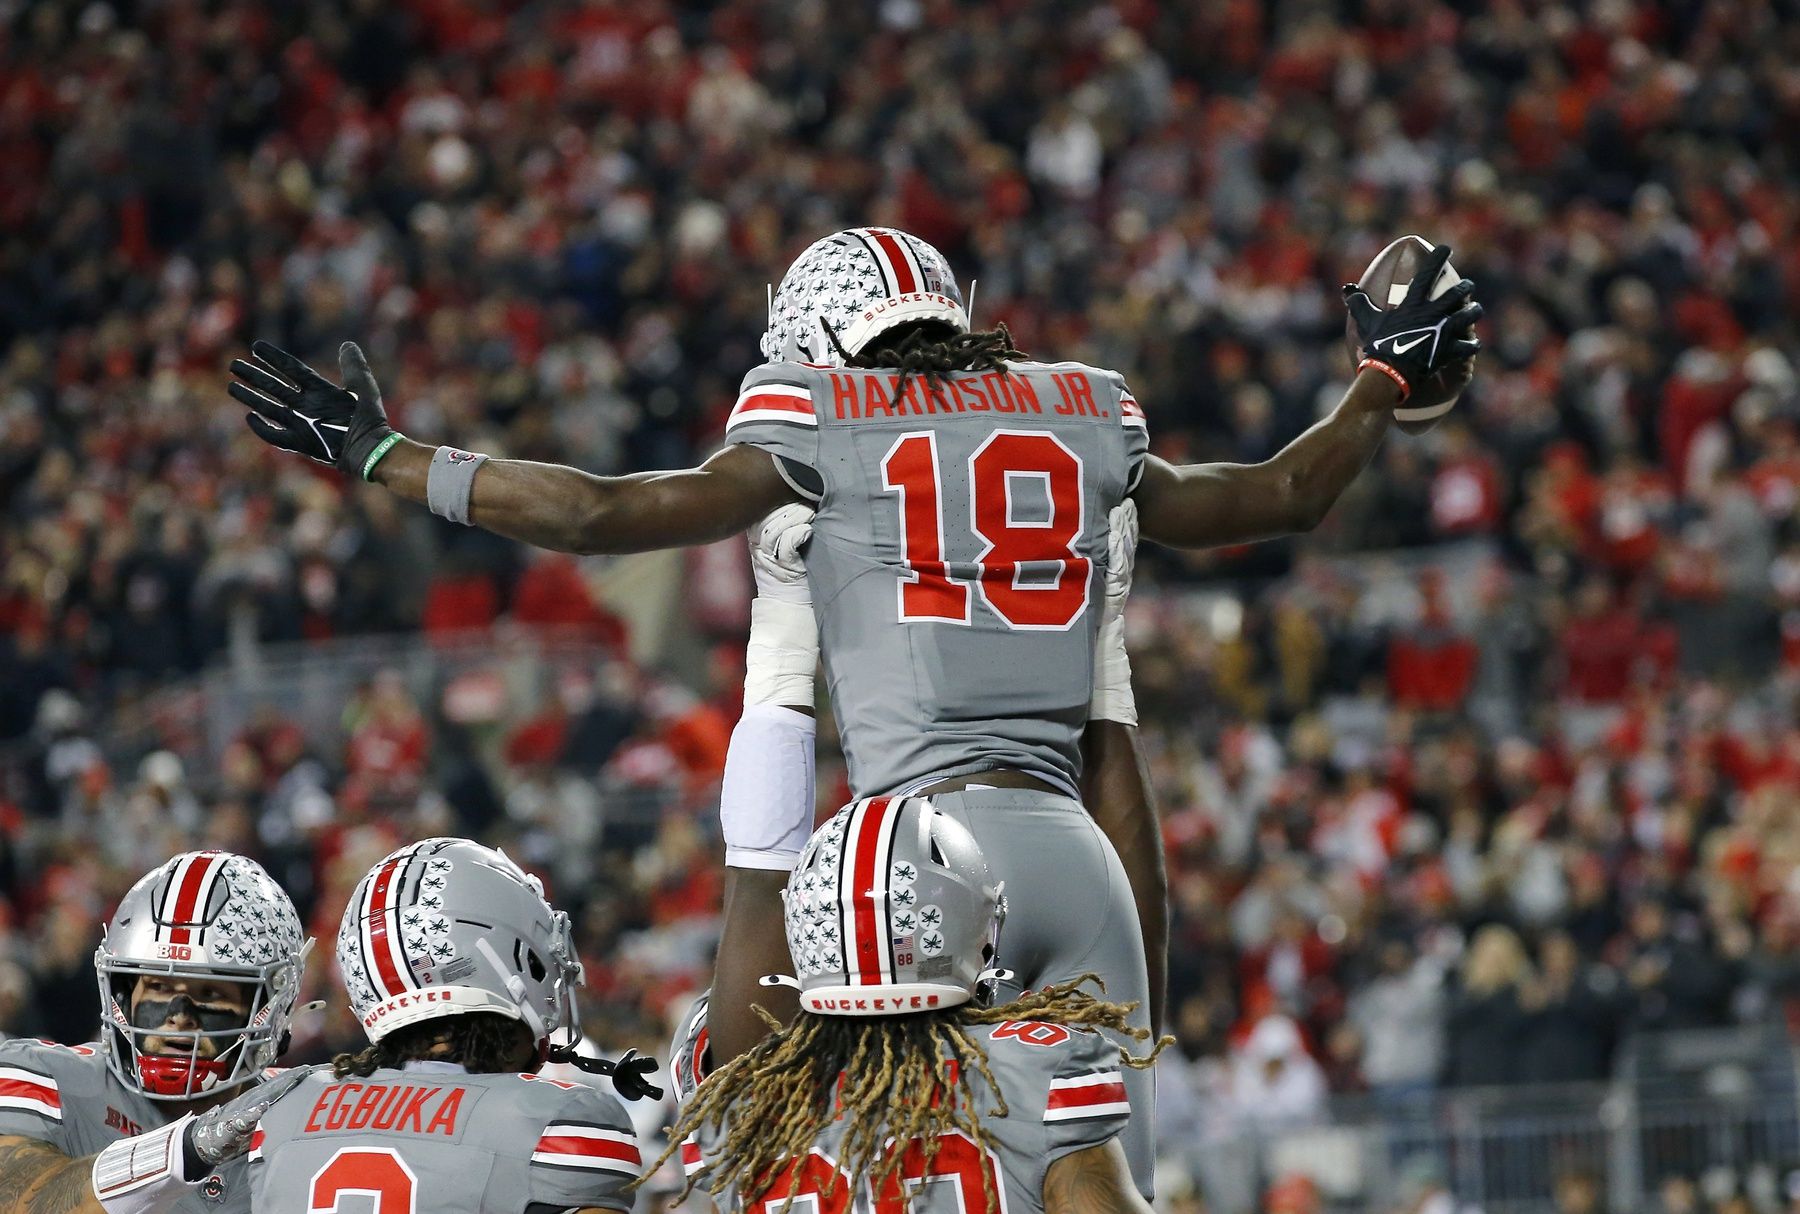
962	496
460	973
896	1072
199	969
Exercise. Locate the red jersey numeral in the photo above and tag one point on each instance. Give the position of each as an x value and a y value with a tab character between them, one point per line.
927	592
1030	571
376	1172
958	1161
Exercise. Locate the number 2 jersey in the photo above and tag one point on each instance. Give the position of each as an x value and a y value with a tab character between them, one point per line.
1064	1093
66	1096
433	1137
957	555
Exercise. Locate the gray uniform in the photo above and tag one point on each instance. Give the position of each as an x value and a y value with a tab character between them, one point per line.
970	662
957	555
433	1137
65	1095
1063	1094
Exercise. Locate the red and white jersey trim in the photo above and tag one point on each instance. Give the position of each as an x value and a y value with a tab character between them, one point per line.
691	1160
29	1092
789	403
573	1145
256	1141
1101	1094
1131	413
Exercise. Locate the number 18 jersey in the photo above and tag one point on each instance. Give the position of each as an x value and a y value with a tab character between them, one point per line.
957	556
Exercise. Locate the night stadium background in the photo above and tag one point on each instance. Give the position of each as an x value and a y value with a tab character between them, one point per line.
1481	803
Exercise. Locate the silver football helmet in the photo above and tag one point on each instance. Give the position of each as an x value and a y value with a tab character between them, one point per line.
204	917
890	910
858	283
445	927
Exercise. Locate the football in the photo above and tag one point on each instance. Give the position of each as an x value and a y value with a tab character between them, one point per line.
1386	281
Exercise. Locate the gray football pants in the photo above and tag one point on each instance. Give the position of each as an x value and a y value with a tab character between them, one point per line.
1069	912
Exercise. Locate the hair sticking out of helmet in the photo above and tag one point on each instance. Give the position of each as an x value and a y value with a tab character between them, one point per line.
198	972
893	922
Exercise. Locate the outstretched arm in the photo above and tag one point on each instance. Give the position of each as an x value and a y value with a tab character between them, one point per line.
1425	345
36	1178
296	409
1096	1180
554	506
1213	505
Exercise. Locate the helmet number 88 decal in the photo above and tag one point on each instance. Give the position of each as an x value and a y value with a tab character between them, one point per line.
1029	570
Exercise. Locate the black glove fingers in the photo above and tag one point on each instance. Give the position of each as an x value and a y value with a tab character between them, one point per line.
1468	347
1463	319
274	410
269	385
1454	298
270	433
1419	290
295	370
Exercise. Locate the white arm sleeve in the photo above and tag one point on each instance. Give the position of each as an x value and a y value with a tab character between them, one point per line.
766	801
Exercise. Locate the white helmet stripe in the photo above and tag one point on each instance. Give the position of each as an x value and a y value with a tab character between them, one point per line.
890	278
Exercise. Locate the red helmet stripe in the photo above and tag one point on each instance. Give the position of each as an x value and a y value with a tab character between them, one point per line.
190	897
389	973
868	951
899	266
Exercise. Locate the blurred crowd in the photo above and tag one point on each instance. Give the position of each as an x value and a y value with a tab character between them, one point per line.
1465	812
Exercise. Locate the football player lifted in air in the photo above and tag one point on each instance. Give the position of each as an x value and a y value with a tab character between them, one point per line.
199	969
963	494
898	1071
460	972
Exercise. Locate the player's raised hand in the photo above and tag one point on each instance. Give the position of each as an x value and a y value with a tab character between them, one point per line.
1420	335
297	409
222	1134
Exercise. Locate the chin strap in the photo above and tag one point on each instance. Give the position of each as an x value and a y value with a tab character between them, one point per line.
629	1074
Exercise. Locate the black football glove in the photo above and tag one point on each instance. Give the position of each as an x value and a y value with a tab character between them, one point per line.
1419	336
297	409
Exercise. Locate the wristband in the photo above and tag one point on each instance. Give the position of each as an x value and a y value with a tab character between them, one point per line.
382	448
1377	365
143	1174
450	482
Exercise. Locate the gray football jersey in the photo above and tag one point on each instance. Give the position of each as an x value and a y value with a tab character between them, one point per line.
435	1138
1064	1093
66	1096
957	556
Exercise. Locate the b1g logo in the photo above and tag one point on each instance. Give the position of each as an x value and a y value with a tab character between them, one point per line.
175	952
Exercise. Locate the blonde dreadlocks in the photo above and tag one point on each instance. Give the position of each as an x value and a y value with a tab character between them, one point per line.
933	349
893	1077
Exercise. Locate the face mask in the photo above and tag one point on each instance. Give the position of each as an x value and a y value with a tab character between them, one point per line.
152	1014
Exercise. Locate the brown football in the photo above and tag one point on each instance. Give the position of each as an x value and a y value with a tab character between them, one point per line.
1386	281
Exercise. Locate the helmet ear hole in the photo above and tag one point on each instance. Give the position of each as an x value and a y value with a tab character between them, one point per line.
536	965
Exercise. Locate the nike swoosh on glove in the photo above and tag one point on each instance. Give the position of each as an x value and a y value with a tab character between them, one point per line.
1419	336
297	409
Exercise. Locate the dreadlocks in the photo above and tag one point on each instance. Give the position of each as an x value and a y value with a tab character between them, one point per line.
893	1077
934	350
484	1042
